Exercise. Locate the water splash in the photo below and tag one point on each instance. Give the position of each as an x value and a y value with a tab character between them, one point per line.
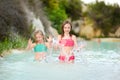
38	24
90	61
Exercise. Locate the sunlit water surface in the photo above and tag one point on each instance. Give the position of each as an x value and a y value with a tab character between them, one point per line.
94	62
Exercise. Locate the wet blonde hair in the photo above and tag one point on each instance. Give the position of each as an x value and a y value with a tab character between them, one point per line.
38	31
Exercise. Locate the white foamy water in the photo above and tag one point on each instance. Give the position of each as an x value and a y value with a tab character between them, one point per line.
94	62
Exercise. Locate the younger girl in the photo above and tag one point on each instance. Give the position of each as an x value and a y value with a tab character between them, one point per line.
40	46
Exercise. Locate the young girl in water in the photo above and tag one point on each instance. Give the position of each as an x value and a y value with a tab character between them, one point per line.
40	46
67	42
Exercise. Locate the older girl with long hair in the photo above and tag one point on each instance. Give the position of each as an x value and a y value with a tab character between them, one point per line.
67	42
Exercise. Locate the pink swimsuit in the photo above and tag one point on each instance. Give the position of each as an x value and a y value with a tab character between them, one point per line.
69	43
63	58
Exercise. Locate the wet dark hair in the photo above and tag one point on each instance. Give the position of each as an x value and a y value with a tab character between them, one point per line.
64	23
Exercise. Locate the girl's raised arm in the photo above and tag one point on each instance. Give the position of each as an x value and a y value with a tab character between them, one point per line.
30	44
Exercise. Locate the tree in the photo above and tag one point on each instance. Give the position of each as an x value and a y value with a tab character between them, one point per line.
106	17
72	7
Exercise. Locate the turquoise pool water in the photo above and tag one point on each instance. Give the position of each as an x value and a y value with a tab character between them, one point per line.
94	62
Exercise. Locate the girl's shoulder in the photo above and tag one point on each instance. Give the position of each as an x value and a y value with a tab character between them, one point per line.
34	44
73	36
59	37
45	43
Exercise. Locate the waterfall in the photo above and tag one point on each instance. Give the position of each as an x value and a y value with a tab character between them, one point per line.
33	20
39	22
38	25
19	16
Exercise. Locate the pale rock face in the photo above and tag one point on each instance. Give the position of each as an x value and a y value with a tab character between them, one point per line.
89	31
76	26
117	33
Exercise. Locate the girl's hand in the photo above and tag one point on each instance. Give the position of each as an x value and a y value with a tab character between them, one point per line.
29	41
29	46
49	42
49	39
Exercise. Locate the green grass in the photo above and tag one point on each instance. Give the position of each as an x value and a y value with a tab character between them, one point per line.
17	43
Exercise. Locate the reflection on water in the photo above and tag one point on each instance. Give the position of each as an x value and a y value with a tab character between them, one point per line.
94	62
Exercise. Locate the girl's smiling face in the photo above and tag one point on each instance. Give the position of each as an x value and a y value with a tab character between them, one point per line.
67	28
39	37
